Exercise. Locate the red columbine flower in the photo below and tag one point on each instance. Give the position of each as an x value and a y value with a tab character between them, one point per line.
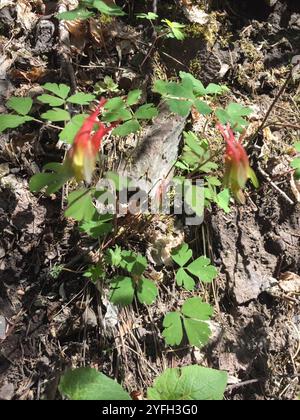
237	167
81	158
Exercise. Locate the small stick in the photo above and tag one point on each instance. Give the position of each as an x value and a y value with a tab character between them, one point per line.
268	178
281	90
235	386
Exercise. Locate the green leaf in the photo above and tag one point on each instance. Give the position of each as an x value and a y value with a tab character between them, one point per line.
121	114
56	114
161	87
21	105
213	89
128	127
183	279
111	10
42	180
253	178
297	146
202	107
122	291
202	269
114	256
81	98
237	110
146	112
182	255
146	291
133	97
12	121
189	383
53	181
88	384
295	163
80	205
213	181
198	332
195	314
108	85
114	104
71	129
134	263
94	273
223	200
194	198
181	90
176	29
179	107
198	87
116	110
196	309
234	114
97	228
149	16
78	13
51	100
60	90
173	332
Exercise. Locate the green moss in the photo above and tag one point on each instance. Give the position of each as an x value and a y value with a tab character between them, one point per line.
250	50
105	19
210	32
195	67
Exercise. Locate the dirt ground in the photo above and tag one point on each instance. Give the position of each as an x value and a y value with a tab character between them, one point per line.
54	318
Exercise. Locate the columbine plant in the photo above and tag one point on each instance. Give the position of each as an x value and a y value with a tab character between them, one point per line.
237	167
81	158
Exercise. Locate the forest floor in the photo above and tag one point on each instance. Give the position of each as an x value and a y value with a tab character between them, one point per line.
51	317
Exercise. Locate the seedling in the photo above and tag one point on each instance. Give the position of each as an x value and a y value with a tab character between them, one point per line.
123	287
86	9
192	318
201	268
168	29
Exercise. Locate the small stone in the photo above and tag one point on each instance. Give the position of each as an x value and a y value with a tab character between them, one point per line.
2	327
4	169
7	391
2	252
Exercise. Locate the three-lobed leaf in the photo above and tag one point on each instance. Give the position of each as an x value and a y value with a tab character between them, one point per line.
80	205
133	97
51	100
56	115
146	112
184	279
182	254
61	90
173	332
12	121
21	105
193	316
203	269
128	127
81	98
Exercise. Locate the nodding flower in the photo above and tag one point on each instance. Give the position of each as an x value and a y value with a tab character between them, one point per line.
237	167
81	158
